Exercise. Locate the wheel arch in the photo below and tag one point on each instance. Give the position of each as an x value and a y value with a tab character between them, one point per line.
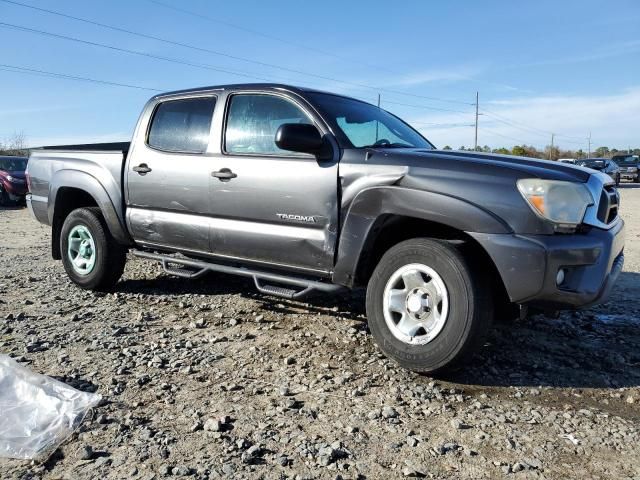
71	189
380	218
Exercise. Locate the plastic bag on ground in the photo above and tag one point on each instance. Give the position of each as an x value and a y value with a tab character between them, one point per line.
37	413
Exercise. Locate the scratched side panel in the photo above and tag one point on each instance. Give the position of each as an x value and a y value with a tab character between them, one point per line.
278	210
170	228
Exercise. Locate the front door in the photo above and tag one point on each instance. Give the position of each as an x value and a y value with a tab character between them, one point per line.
168	176
271	205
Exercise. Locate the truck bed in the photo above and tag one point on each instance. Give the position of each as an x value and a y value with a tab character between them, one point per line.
97	168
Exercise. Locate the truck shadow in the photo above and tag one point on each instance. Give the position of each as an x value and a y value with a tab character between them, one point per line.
594	348
347	305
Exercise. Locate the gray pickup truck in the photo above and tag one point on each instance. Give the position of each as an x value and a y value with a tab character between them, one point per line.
306	191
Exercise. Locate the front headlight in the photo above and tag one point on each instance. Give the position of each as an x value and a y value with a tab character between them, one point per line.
563	203
10	178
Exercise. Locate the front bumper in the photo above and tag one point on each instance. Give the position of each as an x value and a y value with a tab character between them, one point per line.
15	190
529	264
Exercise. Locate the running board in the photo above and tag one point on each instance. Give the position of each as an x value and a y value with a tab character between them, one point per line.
266	282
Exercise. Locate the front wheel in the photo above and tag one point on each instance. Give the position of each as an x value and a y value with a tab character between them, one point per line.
91	257
5	201
425	308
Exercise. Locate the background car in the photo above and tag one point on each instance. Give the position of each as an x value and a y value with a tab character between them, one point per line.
603	165
13	182
629	169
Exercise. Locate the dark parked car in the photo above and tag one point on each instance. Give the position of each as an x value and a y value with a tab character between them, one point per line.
13	184
629	169
603	165
309	191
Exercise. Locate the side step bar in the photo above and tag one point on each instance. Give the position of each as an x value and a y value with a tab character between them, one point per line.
266	282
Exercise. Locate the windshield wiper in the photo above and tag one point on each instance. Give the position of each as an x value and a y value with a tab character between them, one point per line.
388	145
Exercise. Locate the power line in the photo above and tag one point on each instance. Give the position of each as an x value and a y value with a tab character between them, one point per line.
524	126
491	132
426	107
435	124
135	52
264	35
44	73
226	55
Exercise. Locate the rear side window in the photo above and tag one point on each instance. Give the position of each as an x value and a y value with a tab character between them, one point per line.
182	125
253	120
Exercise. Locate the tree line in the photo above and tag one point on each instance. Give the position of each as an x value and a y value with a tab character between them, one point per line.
552	153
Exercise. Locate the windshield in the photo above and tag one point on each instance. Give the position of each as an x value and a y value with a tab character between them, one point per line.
595	164
626	159
17	164
358	124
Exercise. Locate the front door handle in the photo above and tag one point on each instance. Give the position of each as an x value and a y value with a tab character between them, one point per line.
142	169
224	174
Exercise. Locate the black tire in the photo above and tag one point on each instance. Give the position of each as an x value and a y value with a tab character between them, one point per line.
110	256
618	180
5	201
470	307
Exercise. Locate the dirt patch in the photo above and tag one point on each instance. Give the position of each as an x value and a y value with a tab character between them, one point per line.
208	379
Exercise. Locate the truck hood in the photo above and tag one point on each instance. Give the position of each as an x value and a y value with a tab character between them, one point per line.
477	161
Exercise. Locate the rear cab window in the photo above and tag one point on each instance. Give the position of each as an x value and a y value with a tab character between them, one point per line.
182	125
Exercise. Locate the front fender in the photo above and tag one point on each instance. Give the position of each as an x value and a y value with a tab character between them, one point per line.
112	214
374	203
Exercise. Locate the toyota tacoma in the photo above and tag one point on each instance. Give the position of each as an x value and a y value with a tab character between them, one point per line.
306	191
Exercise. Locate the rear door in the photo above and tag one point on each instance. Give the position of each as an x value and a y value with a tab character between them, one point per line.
168	175
270	205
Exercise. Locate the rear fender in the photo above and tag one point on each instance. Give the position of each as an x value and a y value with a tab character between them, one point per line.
111	212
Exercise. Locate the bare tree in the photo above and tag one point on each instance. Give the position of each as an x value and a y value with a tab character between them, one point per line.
15	145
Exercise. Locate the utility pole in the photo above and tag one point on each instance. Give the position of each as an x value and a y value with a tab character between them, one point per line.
589	155
475	143
551	149
376	120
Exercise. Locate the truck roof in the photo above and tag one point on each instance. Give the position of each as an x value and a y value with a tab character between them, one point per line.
249	86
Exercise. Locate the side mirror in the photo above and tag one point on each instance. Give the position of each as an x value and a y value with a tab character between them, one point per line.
299	137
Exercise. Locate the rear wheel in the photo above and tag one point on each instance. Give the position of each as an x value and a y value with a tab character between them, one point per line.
425	309
91	257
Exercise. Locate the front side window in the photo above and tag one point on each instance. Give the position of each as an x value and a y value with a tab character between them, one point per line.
254	119
358	124
182	125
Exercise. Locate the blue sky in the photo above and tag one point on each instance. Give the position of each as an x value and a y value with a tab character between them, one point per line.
541	67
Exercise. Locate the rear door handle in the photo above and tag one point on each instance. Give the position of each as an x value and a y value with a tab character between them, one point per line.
142	169
224	174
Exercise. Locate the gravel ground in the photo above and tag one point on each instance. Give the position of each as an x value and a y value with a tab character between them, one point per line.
207	379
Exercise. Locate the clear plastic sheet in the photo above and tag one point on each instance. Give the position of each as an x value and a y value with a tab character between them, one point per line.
37	413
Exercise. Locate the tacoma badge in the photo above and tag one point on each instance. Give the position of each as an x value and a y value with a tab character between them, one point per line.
300	218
